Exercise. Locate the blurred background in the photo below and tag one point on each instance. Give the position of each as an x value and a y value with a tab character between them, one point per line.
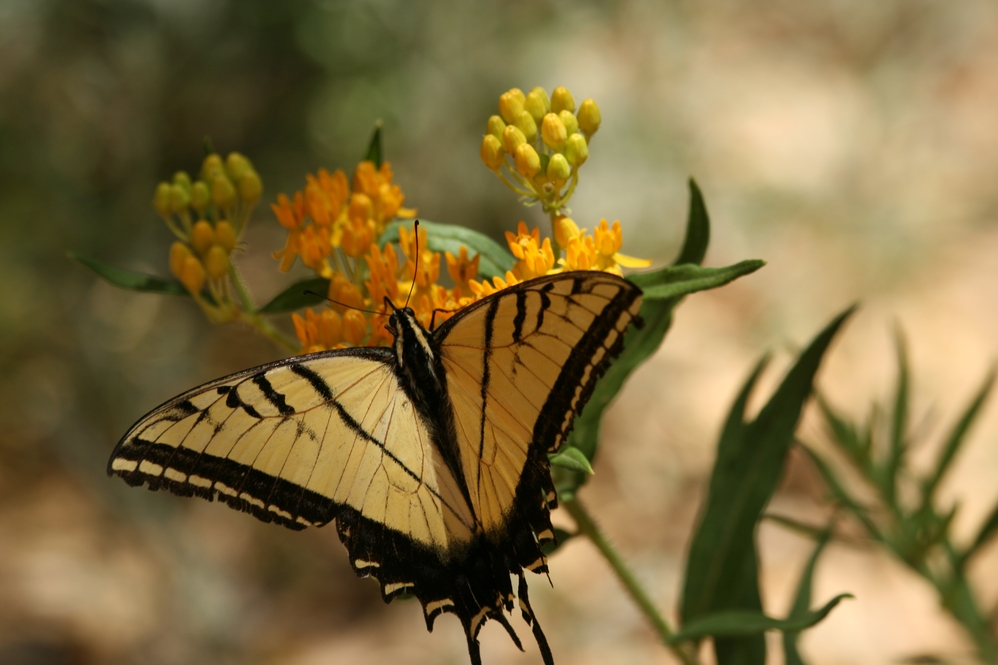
852	145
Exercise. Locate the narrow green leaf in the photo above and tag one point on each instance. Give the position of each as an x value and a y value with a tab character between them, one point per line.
294	297
803	601
844	433
572	459
129	279
697	229
560	538
682	280
956	438
899	422
841	496
375	152
495	259
737	623
720	569
986	533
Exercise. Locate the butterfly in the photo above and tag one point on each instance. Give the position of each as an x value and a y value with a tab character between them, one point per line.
430	455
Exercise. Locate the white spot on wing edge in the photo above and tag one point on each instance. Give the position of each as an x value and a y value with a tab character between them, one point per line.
302	520
225	489
120	464
252	500
283	513
438	606
360	563
396	586
198	481
173	474
152	469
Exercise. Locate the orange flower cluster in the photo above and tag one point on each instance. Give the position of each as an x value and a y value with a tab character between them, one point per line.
332	218
387	278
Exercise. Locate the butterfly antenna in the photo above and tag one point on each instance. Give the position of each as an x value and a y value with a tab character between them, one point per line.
309	292
415	230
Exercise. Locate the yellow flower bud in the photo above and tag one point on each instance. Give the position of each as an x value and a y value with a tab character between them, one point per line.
492	152
161	199
525	123
510	105
217	262
512	137
181	178
558	168
225	235
211	166
565	229
562	100
178	255
223	193
528	162
354	327
179	198
571	124
589	117
496	125
576	150
250	187
192	274
202	236
236	165
537	104
200	196
553	131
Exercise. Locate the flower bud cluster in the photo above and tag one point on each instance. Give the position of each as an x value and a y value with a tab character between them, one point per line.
208	216
542	142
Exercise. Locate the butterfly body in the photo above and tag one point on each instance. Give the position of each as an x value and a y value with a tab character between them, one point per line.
431	455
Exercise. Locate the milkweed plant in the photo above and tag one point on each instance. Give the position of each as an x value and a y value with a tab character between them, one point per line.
355	233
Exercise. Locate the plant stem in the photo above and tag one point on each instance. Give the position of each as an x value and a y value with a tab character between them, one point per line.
591	530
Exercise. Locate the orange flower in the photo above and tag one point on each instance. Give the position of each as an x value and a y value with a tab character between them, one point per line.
318	332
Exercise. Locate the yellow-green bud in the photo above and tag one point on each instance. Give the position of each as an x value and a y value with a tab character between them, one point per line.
589	117
537	104
564	230
179	198
192	274
525	122
576	150
161	199
571	124
181	178
217	262
512	137
223	193
225	235
178	254
236	165
202	236
558	168
496	125
492	152
527	161
562	100
250	187
211	166
200	196
553	131
510	105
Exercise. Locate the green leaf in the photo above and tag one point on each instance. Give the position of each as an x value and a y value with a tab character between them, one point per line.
294	297
375	152
803	601
560	538
736	623
495	259
129	279
682	280
721	574
986	533
697	229
956	438
899	422
572	459
841	496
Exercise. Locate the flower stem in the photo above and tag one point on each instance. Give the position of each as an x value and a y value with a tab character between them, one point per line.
250	317
591	530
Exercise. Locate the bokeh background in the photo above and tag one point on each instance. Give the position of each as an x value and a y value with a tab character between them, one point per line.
852	145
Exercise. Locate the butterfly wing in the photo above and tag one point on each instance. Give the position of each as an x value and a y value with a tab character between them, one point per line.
300	442
520	365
